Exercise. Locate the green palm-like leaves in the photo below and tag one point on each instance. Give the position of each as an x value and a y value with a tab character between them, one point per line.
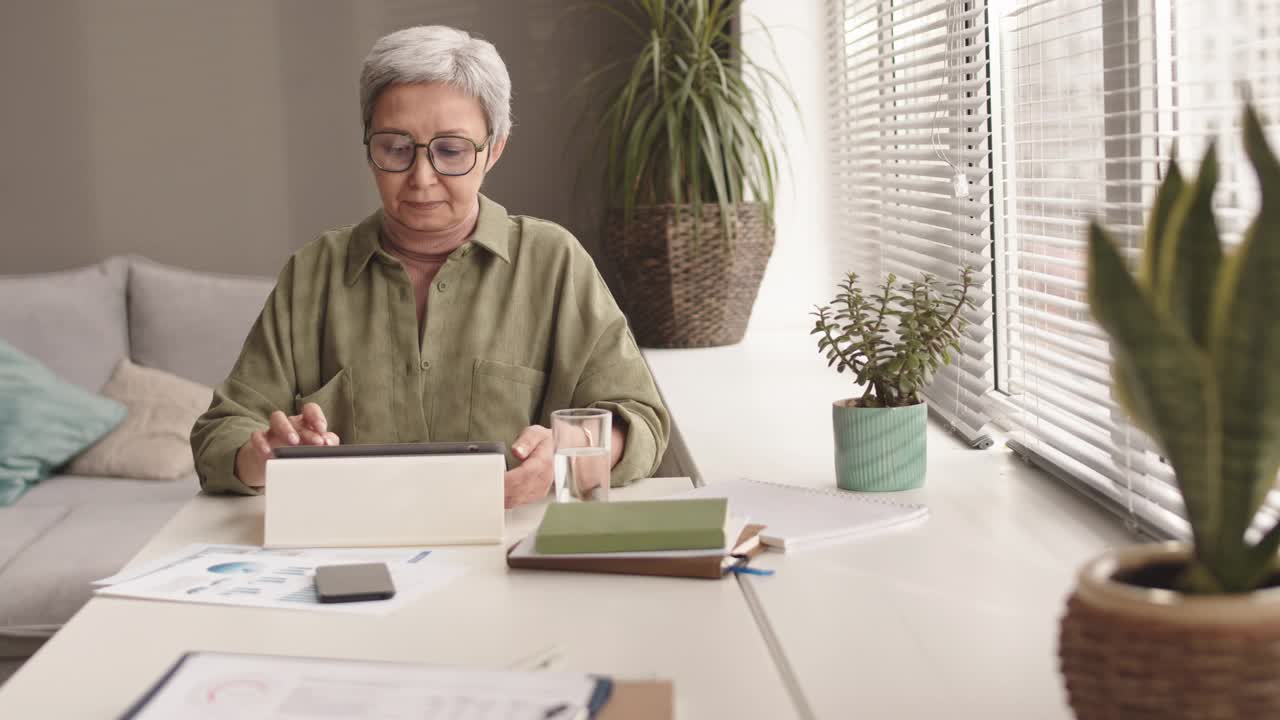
894	339
686	125
1196	345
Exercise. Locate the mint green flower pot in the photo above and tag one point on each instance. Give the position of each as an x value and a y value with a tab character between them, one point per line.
879	449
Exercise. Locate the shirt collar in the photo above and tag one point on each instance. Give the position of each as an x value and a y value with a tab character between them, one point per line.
491	233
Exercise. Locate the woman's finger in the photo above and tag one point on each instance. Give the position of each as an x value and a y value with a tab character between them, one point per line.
313	417
545	447
282	430
529	440
332	439
308	436
258	440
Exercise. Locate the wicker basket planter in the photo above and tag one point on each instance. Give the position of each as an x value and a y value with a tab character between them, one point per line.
682	292
1135	653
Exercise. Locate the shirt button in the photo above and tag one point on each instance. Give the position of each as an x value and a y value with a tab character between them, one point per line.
426	365
442	285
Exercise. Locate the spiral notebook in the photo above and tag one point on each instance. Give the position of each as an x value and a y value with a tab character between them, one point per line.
794	516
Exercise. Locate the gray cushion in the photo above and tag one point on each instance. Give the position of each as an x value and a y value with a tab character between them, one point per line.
191	324
19	527
69	531
74	321
81	489
48	581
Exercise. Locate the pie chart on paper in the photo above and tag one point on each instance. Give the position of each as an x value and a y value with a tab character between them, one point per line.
225	697
236	568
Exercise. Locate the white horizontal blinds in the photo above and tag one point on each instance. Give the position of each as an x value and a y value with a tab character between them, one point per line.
1072	123
1094	95
856	68
909	118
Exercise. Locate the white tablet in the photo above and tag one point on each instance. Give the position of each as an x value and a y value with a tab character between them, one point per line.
385	495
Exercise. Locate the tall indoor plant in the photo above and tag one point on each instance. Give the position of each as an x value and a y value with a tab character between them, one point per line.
690	174
892	340
1191	630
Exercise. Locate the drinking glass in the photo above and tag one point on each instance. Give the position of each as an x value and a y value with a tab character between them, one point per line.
582	438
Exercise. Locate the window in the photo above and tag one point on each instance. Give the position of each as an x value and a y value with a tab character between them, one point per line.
911	163
1093	97
1052	112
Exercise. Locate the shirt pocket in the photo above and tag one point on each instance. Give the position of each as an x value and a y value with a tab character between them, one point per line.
337	401
504	400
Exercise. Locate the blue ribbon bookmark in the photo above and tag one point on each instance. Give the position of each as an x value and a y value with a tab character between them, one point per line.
746	570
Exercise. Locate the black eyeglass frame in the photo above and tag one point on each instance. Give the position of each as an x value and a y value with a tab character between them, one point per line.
475	159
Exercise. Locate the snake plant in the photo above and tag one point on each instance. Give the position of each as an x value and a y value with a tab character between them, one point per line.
1196	360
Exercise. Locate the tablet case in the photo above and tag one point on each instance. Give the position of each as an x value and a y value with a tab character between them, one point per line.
385	495
710	567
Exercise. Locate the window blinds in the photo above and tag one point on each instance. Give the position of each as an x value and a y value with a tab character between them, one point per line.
910	166
1094	94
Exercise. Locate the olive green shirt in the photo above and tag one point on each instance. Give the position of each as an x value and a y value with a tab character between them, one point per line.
518	323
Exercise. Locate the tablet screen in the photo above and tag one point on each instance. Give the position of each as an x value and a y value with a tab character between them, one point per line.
292	452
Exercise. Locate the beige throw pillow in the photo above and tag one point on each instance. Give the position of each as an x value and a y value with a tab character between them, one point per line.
153	442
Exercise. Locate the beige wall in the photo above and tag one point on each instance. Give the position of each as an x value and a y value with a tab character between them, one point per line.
224	135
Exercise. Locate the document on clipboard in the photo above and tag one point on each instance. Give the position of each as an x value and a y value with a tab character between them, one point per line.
228	686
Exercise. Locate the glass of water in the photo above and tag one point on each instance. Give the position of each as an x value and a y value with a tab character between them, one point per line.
582	438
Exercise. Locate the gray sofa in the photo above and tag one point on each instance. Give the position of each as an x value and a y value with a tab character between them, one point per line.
70	529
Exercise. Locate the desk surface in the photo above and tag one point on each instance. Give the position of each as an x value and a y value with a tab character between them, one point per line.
700	634
956	617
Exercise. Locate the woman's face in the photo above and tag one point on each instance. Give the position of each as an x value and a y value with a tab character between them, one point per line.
420	199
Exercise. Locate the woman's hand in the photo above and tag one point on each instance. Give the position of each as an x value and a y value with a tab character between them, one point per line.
535	449
308	427
532	478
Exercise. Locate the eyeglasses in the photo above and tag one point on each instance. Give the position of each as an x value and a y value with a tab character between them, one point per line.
396	152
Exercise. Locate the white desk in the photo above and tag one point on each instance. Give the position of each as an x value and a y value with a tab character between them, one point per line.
956	617
700	634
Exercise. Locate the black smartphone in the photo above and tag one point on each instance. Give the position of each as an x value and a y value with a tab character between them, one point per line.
352	583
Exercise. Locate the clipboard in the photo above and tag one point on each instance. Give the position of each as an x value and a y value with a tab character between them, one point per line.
711	567
640	700
611	700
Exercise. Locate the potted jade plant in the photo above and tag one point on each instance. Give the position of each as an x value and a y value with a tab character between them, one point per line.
1191	630
689	172
892	340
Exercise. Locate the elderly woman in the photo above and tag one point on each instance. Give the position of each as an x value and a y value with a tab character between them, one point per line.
439	317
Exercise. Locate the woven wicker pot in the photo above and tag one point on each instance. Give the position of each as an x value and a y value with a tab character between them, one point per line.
1129	652
879	449
682	292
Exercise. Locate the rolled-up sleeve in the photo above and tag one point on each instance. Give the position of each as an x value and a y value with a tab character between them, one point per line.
613	375
618	380
262	381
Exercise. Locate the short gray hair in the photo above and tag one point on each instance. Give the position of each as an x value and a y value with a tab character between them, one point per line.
436	53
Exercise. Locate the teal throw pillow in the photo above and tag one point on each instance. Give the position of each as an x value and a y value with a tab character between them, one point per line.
44	422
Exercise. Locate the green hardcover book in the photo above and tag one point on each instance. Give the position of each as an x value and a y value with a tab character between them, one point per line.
604	527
